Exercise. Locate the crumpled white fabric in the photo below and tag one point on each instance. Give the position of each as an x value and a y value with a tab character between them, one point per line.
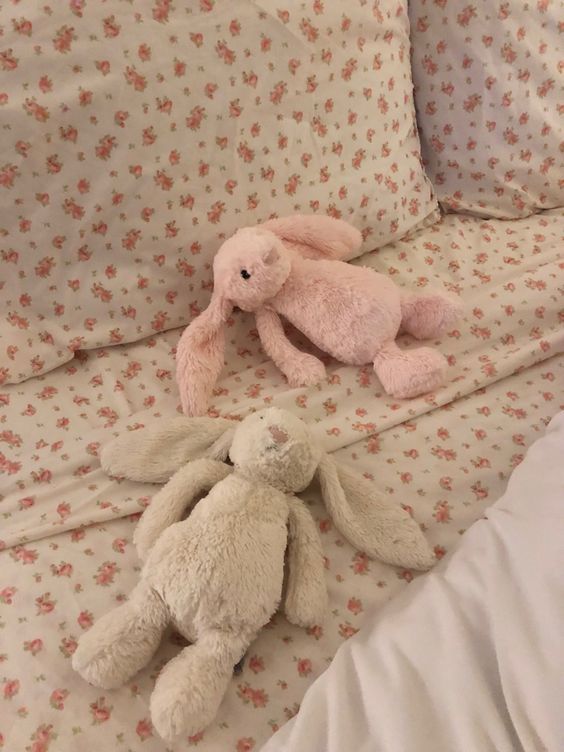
470	657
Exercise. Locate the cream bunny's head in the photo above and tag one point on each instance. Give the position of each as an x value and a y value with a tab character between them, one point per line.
275	447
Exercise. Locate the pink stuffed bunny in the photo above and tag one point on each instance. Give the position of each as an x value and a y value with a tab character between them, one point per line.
292	267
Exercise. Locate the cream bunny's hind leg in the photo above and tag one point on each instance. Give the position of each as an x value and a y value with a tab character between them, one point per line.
408	373
191	686
123	640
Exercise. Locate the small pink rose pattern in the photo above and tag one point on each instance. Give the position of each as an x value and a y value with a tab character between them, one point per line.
137	136
509	277
446	467
488	88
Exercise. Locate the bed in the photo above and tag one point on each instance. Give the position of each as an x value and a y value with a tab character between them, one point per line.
139	136
66	532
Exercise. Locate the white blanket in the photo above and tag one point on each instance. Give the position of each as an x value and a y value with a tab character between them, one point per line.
471	657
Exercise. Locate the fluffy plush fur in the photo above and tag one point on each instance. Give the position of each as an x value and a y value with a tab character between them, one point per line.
292	267
218	574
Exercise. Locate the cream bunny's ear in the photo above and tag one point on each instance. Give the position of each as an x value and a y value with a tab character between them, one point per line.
155	453
369	520
317	237
199	356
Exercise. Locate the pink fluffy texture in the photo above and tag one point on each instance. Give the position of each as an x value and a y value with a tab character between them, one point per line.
291	267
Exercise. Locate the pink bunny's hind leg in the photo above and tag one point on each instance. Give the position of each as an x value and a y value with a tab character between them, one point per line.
409	373
428	316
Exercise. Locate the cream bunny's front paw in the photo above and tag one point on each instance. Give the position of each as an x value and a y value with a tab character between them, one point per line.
305	370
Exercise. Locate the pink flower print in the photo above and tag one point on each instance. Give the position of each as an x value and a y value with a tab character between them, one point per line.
23	148
250	79
100	711
361	564
40	113
7	60
64	569
245	745
25	555
63	510
10	688
224	53
292	185
27	502
149	136
316	631
144	52
118	545
106	573
23	26
246	153
111	28
41	476
164	181
62	41
33	646
85	618
161	10
144	729
304	666
442	511
346	630
257	697
256	664
349	68
73	209
7	595
8	174
68	645
105	147
103	66
68	134
135	79
354	605
278	92
84	97
41	738
120	117
57	698
45	604
216	212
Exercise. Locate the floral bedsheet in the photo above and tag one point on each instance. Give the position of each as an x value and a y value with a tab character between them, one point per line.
66	529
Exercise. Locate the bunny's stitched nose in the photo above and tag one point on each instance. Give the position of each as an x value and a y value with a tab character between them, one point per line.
279	436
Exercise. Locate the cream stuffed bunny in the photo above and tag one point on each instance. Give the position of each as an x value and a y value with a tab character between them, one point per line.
217	575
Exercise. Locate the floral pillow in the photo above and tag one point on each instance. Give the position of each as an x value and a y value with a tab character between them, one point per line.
488	78
138	135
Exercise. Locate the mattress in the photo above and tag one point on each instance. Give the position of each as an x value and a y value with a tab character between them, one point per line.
469	658
66	528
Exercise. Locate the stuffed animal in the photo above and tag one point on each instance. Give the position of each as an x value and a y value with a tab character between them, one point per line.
217	575
291	267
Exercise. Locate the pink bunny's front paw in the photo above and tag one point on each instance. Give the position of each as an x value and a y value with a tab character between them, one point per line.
306	370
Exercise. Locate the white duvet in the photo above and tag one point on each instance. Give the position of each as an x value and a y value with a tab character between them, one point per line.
470	658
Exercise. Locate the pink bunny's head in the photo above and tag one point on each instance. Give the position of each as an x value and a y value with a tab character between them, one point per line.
251	267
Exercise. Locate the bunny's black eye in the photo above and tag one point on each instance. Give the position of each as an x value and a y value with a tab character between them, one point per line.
245	274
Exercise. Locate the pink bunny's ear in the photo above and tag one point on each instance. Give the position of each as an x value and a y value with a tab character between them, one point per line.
199	356
316	237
